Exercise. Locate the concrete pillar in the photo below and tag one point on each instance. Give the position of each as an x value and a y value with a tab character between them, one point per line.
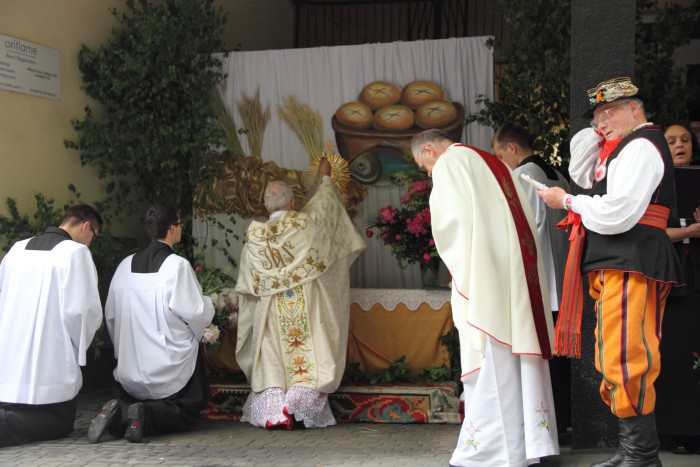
602	47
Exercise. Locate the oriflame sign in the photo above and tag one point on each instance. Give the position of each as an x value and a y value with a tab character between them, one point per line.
29	68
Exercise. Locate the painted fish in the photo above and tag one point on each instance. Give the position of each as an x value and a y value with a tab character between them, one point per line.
378	165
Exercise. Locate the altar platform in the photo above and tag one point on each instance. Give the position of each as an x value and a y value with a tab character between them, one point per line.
385	325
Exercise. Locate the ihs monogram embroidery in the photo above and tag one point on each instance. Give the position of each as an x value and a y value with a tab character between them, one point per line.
278	256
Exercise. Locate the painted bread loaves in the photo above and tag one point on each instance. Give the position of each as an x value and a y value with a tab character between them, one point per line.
417	93
379	94
354	115
436	114
393	117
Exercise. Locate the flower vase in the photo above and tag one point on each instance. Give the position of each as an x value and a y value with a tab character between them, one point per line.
429	272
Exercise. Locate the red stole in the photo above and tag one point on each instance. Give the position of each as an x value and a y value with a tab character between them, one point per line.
528	247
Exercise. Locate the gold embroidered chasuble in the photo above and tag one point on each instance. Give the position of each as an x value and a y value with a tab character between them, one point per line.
294	295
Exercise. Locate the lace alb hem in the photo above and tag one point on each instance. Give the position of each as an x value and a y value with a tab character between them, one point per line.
267	407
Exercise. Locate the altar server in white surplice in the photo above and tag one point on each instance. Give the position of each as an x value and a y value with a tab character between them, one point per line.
513	145
484	232
156	315
49	312
294	293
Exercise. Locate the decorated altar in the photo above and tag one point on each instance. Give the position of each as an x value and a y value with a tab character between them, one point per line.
281	111
385	325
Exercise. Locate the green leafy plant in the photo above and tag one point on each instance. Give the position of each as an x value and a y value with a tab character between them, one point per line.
18	226
667	96
533	87
153	79
399	372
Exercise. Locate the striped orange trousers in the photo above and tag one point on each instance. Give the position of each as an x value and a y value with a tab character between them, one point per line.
629	309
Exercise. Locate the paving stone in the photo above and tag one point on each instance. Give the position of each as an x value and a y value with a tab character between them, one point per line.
220	443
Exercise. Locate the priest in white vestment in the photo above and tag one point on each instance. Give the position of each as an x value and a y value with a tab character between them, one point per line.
156	315
50	310
484	232
294	288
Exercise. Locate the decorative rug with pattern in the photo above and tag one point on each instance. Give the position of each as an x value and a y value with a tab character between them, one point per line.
378	403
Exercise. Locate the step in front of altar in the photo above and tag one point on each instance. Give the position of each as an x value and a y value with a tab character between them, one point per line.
377	403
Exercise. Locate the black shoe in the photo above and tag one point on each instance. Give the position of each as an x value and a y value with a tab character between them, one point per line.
613	461
134	430
106	419
681	450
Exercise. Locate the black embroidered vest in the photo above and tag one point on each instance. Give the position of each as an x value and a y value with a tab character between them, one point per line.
643	249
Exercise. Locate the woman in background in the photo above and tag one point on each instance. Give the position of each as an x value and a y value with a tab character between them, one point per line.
678	386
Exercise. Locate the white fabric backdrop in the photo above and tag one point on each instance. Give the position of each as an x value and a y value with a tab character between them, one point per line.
325	78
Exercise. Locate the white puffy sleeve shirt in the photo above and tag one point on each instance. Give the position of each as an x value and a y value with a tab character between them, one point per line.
633	176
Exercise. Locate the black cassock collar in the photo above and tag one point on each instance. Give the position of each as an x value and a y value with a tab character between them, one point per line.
51	237
149	260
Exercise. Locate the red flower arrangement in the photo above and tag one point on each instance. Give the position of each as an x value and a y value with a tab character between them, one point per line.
407	229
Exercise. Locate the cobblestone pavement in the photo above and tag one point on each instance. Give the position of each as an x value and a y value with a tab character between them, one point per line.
223	443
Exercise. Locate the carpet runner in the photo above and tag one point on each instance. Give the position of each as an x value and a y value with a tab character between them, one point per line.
378	403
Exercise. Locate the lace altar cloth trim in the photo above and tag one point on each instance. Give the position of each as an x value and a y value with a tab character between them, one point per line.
390	298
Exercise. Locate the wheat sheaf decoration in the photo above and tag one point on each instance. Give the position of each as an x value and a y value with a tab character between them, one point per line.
306	124
340	171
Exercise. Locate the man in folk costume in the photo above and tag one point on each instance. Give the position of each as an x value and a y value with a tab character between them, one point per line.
49	312
619	240
485	233
156	315
293	320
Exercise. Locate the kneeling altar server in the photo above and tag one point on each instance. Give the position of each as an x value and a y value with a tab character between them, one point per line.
156	315
49	312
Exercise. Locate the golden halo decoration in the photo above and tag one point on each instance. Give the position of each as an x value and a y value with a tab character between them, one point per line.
340	171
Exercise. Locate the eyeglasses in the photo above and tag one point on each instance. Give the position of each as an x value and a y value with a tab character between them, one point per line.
604	116
92	229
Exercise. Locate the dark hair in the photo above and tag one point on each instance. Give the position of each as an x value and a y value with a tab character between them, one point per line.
694	113
693	140
512	133
82	213
159	217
